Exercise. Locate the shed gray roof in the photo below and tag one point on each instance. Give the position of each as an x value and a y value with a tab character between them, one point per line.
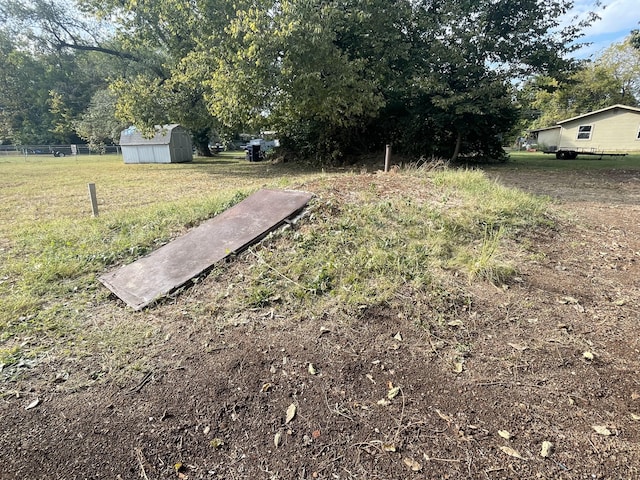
132	136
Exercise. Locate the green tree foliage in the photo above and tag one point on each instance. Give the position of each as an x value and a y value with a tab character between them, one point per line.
622	60
431	77
98	124
635	39
24	95
161	37
46	85
333	77
611	78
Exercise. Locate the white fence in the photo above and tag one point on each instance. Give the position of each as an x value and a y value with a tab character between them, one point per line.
56	150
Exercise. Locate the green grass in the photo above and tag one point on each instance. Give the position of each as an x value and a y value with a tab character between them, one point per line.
364	252
537	160
51	248
356	249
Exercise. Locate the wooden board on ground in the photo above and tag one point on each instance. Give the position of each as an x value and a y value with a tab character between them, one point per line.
171	266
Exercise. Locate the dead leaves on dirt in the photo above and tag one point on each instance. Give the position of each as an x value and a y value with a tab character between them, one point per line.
291	413
602	430
393	391
546	449
33	404
511	452
412	464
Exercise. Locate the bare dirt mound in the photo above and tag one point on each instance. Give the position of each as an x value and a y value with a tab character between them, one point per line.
552	357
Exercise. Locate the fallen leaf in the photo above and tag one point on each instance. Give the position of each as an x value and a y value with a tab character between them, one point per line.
455	323
504	434
393	393
588	356
266	387
511	452
446	418
60	377
312	369
635	417
384	402
388	447
566	300
516	346
315	434
546	449
458	366
412	464
398	337
602	430
291	412
277	439
33	404
216	443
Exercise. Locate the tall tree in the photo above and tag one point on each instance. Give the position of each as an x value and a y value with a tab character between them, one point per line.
611	78
622	60
330	75
98	124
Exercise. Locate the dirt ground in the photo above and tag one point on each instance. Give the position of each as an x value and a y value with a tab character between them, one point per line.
552	357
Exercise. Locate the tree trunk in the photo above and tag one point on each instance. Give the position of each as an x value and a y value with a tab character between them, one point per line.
202	148
456	150
201	142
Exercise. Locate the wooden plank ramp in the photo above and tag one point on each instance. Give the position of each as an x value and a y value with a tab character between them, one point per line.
152	277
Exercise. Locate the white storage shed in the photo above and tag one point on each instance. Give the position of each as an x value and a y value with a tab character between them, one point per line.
170	144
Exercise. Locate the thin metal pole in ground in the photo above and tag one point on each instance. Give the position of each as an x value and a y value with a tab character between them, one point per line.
94	199
387	157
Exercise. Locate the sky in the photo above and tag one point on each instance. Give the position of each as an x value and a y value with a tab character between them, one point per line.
618	18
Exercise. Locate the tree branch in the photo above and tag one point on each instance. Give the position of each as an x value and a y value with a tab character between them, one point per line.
108	51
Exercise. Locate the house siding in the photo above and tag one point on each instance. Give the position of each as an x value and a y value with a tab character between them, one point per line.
612	131
548	139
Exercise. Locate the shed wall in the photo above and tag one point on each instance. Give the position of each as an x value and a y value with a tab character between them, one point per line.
180	147
146	153
170	144
613	130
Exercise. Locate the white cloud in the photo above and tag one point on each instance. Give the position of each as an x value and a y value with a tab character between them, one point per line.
617	16
617	19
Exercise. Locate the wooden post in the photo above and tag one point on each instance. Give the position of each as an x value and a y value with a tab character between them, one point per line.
94	199
387	157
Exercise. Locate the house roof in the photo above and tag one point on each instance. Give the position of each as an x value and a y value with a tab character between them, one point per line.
132	136
595	112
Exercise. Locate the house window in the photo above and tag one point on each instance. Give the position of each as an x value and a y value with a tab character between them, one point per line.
638	135
584	132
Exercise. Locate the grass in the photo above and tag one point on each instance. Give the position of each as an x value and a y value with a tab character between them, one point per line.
362	253
537	160
365	243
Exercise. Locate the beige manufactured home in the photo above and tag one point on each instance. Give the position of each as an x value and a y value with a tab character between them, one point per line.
612	129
